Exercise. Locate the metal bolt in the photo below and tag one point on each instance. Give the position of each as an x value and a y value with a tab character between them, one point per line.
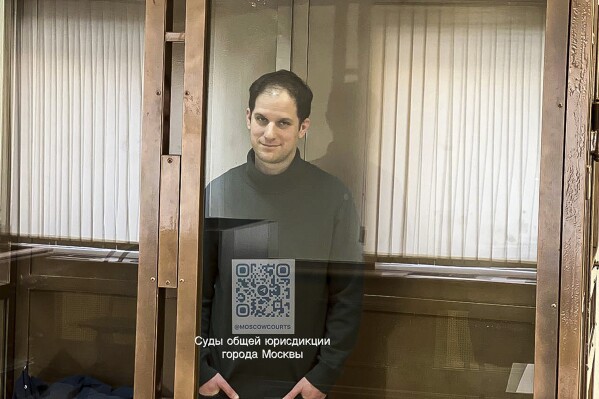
560	105
186	92
168	282
181	281
158	92
169	160
152	278
554	306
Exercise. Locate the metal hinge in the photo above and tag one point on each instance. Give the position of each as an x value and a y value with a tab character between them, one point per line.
593	145
595	115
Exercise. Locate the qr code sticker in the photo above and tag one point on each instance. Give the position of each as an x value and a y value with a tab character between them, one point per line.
263	296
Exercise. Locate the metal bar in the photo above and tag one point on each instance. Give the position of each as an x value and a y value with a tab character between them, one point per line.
75	284
9	36
436	307
550	199
24	240
146	339
18	253
177	37
284	32
11	307
21	348
574	242
10	346
467	271
76	252
192	201
373	259
168	237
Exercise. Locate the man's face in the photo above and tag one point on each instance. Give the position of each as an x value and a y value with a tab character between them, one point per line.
274	130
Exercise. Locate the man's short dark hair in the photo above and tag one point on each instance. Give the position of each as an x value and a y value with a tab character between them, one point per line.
289	81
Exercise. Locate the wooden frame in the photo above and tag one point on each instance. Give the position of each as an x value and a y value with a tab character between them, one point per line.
550	198
563	242
575	208
147	340
189	293
155	142
551	260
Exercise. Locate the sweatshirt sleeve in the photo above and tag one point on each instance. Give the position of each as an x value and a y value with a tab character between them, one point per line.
345	290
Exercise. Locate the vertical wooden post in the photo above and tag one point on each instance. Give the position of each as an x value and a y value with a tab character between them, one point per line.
147	334
575	211
550	198
189	290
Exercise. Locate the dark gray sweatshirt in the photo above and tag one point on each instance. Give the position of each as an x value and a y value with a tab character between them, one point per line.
317	226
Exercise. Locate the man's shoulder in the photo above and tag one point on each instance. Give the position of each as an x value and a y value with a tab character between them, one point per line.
325	180
232	176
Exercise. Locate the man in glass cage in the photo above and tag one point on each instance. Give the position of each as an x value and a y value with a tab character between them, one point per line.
282	283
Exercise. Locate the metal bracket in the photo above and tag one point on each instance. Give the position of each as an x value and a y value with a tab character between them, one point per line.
168	235
594	148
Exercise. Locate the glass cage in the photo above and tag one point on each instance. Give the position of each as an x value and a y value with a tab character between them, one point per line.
425	126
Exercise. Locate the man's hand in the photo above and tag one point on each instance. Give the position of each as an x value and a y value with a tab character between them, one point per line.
217	384
305	390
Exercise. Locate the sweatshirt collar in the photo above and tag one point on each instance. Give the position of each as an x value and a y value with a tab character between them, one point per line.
274	183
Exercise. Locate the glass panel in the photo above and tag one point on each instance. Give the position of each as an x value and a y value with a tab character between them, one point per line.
450	98
74	147
71	333
77	115
421	158
444	148
241	33
176	79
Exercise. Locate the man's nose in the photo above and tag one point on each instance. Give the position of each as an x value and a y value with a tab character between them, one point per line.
269	131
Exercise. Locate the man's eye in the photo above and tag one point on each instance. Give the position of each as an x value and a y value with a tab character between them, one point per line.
260	118
284	124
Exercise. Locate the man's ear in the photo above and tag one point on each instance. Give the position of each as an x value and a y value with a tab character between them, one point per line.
304	128
248	117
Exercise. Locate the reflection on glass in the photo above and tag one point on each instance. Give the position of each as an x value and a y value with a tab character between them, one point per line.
77	116
443	141
74	143
458	140
67	338
240	35
72	330
429	115
443	146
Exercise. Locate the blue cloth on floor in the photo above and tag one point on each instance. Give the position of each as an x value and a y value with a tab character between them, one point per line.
75	387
